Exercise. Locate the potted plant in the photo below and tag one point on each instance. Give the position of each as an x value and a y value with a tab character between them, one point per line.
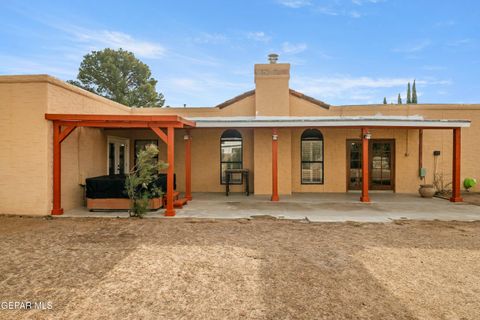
469	183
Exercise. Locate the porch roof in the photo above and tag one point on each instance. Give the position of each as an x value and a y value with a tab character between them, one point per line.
332	121
120	121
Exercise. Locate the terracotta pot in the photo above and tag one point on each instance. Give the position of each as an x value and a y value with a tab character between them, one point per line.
426	190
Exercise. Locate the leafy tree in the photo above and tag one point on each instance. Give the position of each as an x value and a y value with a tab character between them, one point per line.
414	93
118	75
384	100
409	94
141	181
399	99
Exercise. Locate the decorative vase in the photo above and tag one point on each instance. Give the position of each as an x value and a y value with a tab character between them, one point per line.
426	190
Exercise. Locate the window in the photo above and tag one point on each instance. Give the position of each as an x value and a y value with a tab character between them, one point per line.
312	157
231	155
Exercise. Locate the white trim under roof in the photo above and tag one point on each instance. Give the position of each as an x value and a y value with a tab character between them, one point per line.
335	121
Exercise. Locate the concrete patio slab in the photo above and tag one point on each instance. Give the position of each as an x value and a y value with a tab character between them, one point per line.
324	207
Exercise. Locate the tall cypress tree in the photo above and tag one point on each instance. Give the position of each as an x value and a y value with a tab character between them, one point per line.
399	99
409	94
414	93
384	100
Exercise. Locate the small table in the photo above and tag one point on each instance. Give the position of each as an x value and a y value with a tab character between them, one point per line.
228	175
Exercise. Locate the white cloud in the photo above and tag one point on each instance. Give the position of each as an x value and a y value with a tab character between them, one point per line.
210	38
295	3
258	36
413	47
100	39
291	48
355	14
352	90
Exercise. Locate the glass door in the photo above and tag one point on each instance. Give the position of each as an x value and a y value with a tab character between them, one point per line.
381	164
118	155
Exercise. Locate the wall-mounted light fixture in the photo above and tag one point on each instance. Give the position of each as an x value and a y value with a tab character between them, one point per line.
275	137
367	135
186	137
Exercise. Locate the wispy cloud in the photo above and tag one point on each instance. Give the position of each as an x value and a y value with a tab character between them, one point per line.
295	3
460	42
350	89
115	39
292	48
210	38
413	47
258	36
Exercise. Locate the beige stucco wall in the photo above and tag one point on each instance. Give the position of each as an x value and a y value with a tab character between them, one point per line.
26	160
26	142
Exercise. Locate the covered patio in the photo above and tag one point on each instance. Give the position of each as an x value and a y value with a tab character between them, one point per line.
312	207
163	126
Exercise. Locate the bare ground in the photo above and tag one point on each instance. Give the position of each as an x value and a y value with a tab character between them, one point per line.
258	269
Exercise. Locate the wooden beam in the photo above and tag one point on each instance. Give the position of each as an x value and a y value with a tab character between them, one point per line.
120	118
170	211
457	150
57	170
365	175
188	165
66	132
275	165
160	134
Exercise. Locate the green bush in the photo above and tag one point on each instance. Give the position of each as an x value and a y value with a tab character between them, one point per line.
140	183
469	183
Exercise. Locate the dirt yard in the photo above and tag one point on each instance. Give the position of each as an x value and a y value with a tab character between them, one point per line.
252	269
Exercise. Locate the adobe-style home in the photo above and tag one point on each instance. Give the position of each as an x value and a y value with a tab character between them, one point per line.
55	136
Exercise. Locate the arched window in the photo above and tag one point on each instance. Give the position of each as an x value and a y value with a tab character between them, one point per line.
231	155
312	157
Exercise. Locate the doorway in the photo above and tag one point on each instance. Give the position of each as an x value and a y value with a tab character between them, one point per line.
117	155
381	164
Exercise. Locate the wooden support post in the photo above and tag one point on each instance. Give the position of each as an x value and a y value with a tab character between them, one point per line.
275	165
170	211
420	150
365	175
58	137
457	140
188	165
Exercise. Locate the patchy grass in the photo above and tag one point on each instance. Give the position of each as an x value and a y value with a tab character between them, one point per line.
255	269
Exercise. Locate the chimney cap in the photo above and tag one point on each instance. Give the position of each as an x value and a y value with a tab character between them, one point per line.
272	58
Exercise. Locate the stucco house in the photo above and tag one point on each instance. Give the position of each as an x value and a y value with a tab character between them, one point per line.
54	136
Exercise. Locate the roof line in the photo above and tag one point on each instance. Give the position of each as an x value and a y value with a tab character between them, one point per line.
235	99
310	99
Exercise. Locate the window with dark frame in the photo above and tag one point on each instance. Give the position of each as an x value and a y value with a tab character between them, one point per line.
312	157
231	155
141	145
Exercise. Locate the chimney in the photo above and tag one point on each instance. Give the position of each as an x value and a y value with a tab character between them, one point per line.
272	95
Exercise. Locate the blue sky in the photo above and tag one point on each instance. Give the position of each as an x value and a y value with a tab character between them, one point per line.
202	52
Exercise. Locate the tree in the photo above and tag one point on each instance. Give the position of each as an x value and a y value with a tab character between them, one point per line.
414	93
409	95
384	100
399	99
118	75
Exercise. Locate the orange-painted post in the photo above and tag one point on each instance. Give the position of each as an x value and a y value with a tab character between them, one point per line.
188	165
275	165
365	177
170	158
457	140
57	170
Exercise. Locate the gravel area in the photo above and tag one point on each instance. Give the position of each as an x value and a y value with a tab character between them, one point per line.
230	269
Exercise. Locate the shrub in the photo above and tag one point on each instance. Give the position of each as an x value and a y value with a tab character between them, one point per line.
141	181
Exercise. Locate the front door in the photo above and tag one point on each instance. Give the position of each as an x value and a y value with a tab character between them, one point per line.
118	155
381	164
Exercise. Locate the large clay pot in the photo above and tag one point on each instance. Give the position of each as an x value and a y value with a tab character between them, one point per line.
426	190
